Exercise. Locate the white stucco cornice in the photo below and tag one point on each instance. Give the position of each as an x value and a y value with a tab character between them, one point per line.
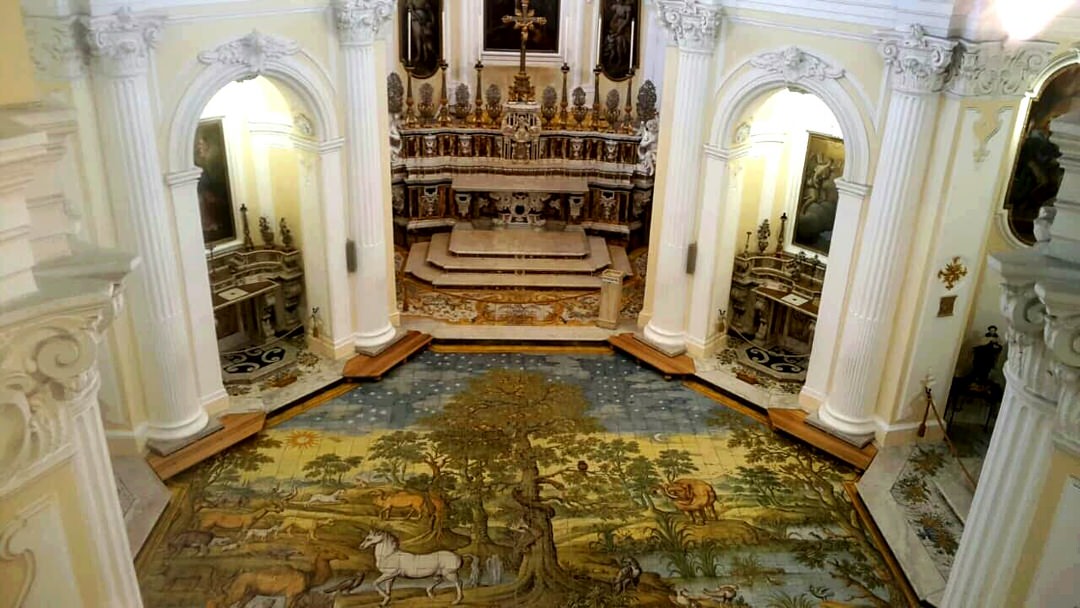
994	69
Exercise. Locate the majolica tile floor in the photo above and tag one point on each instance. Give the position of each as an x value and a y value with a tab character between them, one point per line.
576	480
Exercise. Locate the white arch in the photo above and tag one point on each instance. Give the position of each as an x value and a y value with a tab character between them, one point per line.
300	75
747	83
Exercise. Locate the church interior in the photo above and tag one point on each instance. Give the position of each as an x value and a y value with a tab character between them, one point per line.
540	303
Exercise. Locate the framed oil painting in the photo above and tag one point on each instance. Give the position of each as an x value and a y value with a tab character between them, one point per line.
620	35
420	35
502	37
816	205
1036	175
215	195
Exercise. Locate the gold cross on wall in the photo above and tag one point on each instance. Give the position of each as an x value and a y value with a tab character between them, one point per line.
524	19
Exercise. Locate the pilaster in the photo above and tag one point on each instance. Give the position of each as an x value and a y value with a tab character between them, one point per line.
917	65
693	26
359	23
120	46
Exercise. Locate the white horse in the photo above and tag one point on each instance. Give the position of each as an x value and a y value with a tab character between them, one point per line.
392	563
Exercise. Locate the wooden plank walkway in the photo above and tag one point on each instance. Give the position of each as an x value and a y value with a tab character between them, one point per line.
237	427
669	366
793	422
365	367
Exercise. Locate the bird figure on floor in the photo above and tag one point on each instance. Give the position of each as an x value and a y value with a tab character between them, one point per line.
629	575
682	598
724	594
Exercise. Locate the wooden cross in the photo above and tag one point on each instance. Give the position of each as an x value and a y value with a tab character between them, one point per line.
524	19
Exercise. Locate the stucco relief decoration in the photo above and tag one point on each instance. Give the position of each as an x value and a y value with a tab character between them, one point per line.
54	47
918	62
1067	431
794	65
42	367
952	273
988	69
252	51
11	550
122	42
692	24
359	21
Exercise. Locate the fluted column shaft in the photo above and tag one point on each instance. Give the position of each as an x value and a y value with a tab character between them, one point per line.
918	65
120	45
693	27
358	24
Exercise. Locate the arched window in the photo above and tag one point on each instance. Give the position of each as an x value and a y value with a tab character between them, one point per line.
1036	175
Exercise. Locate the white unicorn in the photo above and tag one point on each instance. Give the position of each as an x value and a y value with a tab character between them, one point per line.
392	563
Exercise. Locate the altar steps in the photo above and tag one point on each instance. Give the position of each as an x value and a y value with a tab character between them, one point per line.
440	255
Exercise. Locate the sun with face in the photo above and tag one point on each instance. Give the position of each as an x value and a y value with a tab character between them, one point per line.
303	439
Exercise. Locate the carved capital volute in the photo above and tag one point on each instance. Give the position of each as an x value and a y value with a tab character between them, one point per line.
917	62
1023	310
120	43
1061	301
693	25
1067	427
359	21
989	69
55	47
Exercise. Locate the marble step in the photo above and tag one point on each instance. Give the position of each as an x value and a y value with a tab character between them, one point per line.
954	487
518	241
439	255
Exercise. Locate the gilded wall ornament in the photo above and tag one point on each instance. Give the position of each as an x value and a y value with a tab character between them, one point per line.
952	273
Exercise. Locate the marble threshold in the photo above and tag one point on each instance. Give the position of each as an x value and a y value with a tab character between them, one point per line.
525	333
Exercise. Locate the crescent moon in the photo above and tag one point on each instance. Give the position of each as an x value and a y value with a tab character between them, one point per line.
659	438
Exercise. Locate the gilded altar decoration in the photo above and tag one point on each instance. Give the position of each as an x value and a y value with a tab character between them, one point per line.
952	273
619	29
215	195
420	37
816	211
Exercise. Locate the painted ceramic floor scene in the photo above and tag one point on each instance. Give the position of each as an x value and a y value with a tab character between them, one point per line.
570	480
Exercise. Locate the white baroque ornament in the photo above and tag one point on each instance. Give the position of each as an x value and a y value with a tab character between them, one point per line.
359	21
987	69
795	64
919	63
1067	430
121	42
252	51
692	24
54	47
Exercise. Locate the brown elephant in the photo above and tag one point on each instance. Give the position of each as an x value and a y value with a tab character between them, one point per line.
694	497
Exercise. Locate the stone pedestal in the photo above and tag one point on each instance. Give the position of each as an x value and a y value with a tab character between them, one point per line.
610	298
918	65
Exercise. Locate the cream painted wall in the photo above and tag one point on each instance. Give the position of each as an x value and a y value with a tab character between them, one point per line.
16	71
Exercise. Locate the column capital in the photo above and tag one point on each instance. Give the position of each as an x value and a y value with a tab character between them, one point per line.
1067	428
918	62
55	48
990	69
121	43
1023	311
856	190
692	25
1061	324
359	21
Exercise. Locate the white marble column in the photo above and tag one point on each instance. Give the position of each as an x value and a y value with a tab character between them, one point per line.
850	204
121	45
1040	411
359	22
917	65
694	27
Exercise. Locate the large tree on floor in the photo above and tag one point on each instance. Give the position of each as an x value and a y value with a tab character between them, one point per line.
535	424
792	477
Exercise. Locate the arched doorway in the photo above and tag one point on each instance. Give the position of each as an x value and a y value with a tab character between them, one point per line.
267	143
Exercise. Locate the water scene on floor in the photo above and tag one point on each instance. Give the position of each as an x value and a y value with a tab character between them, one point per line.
516	480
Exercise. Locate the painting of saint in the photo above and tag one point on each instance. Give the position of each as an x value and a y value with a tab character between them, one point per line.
420	35
816	211
619	24
215	197
1037	174
499	36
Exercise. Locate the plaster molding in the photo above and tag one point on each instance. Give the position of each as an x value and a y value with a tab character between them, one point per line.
691	24
986	126
796	64
55	48
918	63
252	51
1067	428
121	43
360	21
990	69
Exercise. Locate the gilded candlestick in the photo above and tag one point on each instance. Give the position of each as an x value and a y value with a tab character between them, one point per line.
628	121
480	119
598	122
410	111
444	98
564	117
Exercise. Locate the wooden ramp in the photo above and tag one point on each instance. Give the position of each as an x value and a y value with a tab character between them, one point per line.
669	366
365	367
237	427
793	422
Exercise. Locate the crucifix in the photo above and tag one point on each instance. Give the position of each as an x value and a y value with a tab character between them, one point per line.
524	19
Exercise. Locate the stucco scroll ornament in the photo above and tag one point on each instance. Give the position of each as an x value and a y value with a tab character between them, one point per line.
989	69
54	47
12	550
1067	430
359	21
43	367
252	51
794	65
1024	313
121	42
919	63
692	24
